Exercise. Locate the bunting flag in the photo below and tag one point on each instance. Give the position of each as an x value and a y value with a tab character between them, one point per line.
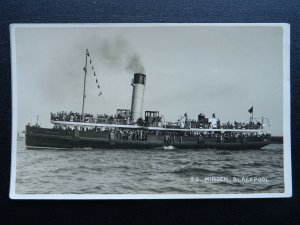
250	110
93	69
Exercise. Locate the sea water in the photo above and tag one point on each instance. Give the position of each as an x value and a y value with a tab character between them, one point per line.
152	171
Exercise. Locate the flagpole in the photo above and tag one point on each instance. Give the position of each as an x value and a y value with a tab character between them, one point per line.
252	114
85	71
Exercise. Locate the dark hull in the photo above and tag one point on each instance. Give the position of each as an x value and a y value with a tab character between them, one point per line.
49	138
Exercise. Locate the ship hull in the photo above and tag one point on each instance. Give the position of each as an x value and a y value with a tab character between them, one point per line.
49	138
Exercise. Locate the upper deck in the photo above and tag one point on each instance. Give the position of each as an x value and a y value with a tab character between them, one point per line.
124	122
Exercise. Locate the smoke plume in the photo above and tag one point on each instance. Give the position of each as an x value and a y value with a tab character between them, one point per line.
135	65
117	53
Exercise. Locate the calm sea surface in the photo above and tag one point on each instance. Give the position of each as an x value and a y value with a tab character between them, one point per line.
103	171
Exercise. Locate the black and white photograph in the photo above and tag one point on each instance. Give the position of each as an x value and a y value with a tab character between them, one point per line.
150	111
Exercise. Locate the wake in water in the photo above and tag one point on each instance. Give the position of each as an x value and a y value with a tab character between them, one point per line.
169	147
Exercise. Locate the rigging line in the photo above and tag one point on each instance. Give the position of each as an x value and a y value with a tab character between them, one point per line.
95	76
105	105
97	83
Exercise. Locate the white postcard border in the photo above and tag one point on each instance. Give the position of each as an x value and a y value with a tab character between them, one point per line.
286	120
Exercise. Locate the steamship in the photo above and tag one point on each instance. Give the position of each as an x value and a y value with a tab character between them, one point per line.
128	129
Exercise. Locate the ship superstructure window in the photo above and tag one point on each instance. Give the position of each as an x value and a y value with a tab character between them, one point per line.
123	113
152	118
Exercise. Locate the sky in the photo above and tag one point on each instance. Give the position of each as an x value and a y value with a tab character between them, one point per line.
190	69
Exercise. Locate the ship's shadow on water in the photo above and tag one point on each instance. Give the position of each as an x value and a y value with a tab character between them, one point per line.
147	171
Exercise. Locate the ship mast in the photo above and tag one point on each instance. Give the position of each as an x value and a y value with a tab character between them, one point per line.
85	71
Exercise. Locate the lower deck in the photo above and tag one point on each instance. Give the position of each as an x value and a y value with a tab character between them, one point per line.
42	137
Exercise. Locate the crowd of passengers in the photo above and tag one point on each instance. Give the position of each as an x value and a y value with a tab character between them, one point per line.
89	118
141	135
228	125
120	119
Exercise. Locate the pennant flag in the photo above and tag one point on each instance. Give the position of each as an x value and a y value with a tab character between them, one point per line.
250	110
85	69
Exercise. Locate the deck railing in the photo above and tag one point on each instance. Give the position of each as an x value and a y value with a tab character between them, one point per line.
105	119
